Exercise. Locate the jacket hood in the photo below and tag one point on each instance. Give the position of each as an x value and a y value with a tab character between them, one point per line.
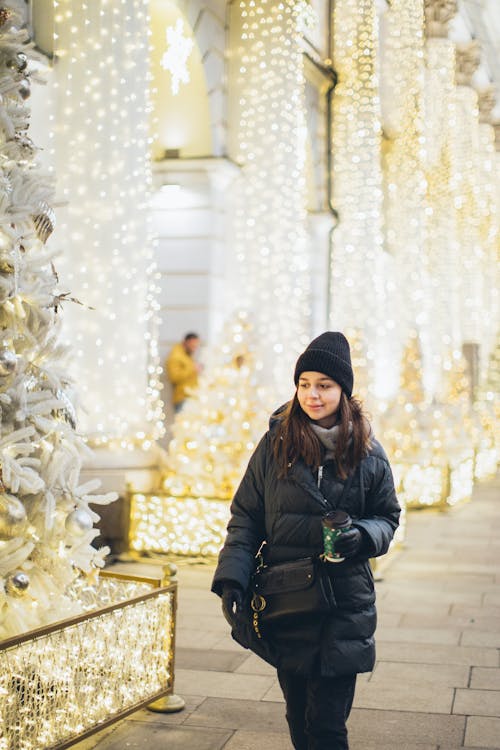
274	418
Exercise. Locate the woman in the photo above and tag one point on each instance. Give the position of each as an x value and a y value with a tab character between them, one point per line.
317	445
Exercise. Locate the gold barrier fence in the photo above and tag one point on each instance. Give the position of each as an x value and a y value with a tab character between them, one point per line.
63	682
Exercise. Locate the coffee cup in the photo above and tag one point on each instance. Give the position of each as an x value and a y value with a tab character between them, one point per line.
334	524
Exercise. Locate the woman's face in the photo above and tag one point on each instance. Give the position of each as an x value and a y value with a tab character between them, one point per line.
319	397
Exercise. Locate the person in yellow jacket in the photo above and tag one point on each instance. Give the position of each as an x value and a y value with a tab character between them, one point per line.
182	368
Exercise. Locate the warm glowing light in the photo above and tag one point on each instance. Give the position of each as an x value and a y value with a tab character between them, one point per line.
270	273
101	91
404	179
212	440
160	522
358	268
57	685
178	51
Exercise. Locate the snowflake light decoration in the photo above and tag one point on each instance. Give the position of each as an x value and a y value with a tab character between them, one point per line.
179	48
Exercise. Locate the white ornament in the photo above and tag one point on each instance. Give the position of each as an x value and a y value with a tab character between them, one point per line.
12	517
78	522
8	361
175	58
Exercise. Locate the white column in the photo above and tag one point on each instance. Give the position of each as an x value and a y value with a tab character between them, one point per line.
270	273
103	180
405	184
102	167
320	225
358	286
442	240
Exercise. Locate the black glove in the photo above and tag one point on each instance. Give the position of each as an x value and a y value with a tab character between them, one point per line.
349	542
232	600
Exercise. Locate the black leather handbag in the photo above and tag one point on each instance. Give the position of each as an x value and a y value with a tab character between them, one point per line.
289	589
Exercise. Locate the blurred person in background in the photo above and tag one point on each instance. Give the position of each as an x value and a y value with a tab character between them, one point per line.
182	369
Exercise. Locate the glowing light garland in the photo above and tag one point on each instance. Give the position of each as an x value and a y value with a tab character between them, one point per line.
466	191
442	233
271	268
358	268
58	684
489	232
101	148
405	182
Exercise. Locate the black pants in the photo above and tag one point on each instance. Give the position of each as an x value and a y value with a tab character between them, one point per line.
317	709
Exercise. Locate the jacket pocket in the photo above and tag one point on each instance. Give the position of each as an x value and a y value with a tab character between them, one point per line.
353	587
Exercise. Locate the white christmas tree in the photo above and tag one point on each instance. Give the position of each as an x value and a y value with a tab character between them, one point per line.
213	438
216	432
46	525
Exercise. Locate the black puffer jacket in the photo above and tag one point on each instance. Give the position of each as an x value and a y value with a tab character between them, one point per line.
287	514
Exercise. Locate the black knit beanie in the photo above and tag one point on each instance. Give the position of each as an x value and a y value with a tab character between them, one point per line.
330	354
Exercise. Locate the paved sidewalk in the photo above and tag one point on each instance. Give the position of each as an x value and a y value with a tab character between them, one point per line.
436	684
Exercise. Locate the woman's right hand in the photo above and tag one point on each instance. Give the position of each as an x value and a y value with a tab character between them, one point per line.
232	600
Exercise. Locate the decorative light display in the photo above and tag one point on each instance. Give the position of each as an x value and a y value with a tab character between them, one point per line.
60	683
271	263
442	232
101	71
489	233
46	524
465	157
213	438
359	271
430	442
405	184
404	432
420	486
486	415
175	58
160	522
406	436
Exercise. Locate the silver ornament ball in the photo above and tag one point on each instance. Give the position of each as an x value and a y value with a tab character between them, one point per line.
17	583
24	89
78	522
8	361
12	517
22	61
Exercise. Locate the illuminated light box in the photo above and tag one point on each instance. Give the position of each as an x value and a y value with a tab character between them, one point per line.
63	682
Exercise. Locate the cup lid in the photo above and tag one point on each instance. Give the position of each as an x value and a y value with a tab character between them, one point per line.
338	517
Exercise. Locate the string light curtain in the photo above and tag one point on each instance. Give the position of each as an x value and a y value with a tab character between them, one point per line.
442	241
357	265
270	272
101	154
489	232
405	184
466	191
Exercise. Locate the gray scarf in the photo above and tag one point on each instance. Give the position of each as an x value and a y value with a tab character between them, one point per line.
328	437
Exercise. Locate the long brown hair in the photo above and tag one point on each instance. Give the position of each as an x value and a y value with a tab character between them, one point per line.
294	437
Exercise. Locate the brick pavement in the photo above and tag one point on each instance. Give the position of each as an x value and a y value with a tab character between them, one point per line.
436	683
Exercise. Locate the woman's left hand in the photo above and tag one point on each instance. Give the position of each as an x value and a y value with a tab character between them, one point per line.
232	600
348	543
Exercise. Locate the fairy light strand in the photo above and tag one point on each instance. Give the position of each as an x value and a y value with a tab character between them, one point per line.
102	80
271	264
357	264
405	183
